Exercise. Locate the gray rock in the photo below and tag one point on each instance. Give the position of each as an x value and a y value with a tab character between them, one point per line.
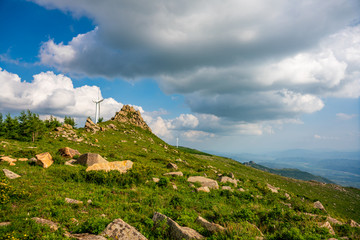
172	166
53	226
225	179
86	236
10	174
120	230
175	230
211	227
73	201
205	182
319	205
203	189
3	224
227	188
174	174
272	188
89	159
328	226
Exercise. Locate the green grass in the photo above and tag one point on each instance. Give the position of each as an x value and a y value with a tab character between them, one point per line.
134	197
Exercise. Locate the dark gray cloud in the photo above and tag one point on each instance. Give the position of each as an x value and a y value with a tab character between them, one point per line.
241	60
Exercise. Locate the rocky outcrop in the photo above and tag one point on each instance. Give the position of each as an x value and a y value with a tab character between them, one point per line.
180	174
128	114
328	226
89	159
225	179
175	230
211	227
319	205
90	126
9	174
352	223
205	182
53	226
44	159
69	152
121	166
118	229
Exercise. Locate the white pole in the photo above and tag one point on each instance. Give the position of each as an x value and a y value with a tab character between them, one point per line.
177	142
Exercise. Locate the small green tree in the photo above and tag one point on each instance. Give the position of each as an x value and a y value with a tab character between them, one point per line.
52	123
31	127
100	120
11	127
70	121
2	130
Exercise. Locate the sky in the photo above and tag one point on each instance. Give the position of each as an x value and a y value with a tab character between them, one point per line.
228	76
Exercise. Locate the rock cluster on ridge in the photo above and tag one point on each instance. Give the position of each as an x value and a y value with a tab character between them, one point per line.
130	115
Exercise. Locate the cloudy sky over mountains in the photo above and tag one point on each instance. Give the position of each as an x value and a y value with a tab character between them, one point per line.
220	75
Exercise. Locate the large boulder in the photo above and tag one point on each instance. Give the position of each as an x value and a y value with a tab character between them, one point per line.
211	227
9	174
128	114
205	182
175	230
69	152
44	159
225	179
120	230
89	159
121	166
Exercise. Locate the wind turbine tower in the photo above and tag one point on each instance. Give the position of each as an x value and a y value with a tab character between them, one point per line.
97	107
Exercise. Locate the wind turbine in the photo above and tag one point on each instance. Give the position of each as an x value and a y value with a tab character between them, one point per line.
97	107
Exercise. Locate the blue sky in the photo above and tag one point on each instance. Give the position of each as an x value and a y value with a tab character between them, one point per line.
229	76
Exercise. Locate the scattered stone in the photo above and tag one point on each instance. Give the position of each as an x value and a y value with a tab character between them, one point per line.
352	223
70	162
334	221
86	236
10	160
53	226
286	204
191	185
225	179
172	166
180	174
318	205
232	175
128	114
44	159
74	220
156	180
328	226
174	186
205	182
73	201
69	152
175	230
121	166
287	196
3	224
227	188
11	175
112	126
96	140
23	159
89	201
89	159
272	188
211	227
32	160
118	229
203	189
241	190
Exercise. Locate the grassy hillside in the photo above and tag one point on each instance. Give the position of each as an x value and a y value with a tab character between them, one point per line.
289	172
134	196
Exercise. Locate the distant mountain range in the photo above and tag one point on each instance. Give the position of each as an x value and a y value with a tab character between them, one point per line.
343	168
289	172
